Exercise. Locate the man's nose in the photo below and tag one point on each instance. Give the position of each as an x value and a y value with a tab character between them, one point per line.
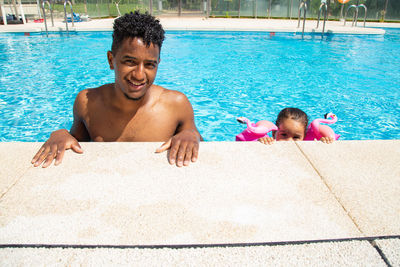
139	74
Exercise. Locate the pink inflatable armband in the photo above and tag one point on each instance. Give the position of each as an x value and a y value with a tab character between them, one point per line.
316	131
255	130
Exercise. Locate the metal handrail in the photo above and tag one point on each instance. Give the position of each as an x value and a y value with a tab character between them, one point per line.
116	5
325	6
255	8
365	13
303	5
269	8
44	15
355	15
65	14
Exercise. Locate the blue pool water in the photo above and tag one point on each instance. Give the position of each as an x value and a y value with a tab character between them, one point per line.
224	74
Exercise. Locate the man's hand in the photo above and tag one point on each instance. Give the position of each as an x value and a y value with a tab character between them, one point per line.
55	147
184	148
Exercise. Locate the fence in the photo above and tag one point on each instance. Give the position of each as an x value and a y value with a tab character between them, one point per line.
378	10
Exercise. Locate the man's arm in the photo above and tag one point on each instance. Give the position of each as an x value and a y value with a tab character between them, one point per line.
184	145
62	140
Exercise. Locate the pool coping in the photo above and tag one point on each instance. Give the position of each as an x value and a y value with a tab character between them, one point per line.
317	179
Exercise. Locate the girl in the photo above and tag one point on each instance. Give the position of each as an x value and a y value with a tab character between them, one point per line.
292	126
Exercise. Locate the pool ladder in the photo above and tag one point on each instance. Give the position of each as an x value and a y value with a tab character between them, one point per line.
355	16
51	14
323	7
44	15
65	14
302	5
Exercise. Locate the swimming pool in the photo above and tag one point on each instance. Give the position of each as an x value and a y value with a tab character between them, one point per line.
224	74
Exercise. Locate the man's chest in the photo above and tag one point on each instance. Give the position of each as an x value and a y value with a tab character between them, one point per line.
145	126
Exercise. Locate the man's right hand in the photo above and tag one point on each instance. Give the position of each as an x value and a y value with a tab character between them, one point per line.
55	147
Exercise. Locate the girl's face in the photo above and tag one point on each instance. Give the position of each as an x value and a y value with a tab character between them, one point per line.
290	130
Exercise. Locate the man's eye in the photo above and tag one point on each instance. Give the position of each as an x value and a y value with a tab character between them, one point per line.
151	65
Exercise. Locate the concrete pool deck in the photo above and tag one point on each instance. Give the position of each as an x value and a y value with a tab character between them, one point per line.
242	203
303	203
213	24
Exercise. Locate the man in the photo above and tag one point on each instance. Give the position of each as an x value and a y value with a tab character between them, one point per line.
132	108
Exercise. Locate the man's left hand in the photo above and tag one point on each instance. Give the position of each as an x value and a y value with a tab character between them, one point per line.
184	148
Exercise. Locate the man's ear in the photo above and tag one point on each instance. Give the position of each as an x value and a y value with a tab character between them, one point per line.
110	60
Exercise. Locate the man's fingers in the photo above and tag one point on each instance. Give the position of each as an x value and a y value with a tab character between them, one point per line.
181	154
59	156
50	156
164	146
76	148
173	151
195	152
61	150
42	156
188	155
48	161
37	155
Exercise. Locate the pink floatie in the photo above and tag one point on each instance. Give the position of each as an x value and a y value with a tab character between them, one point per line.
315	131
255	130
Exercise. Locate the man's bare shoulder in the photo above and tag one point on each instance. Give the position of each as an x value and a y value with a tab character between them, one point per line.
173	97
91	96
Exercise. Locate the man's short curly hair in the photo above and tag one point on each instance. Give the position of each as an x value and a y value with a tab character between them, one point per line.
135	24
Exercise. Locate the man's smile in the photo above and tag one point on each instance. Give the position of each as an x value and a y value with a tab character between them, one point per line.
136	86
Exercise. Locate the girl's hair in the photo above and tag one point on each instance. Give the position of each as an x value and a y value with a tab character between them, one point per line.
294	114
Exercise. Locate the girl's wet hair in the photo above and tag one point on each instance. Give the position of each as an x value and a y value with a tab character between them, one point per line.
136	24
294	114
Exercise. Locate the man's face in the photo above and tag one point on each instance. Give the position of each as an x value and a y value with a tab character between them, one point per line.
135	67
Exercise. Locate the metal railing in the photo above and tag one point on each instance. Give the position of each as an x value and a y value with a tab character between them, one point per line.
302	6
65	15
355	15
323	7
44	15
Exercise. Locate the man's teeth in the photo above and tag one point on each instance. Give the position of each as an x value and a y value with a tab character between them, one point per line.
136	84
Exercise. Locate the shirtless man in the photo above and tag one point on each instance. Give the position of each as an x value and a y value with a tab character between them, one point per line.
132	108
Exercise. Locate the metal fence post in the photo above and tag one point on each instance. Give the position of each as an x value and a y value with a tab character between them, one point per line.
384	11
97	7
269	9
151	6
3	12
